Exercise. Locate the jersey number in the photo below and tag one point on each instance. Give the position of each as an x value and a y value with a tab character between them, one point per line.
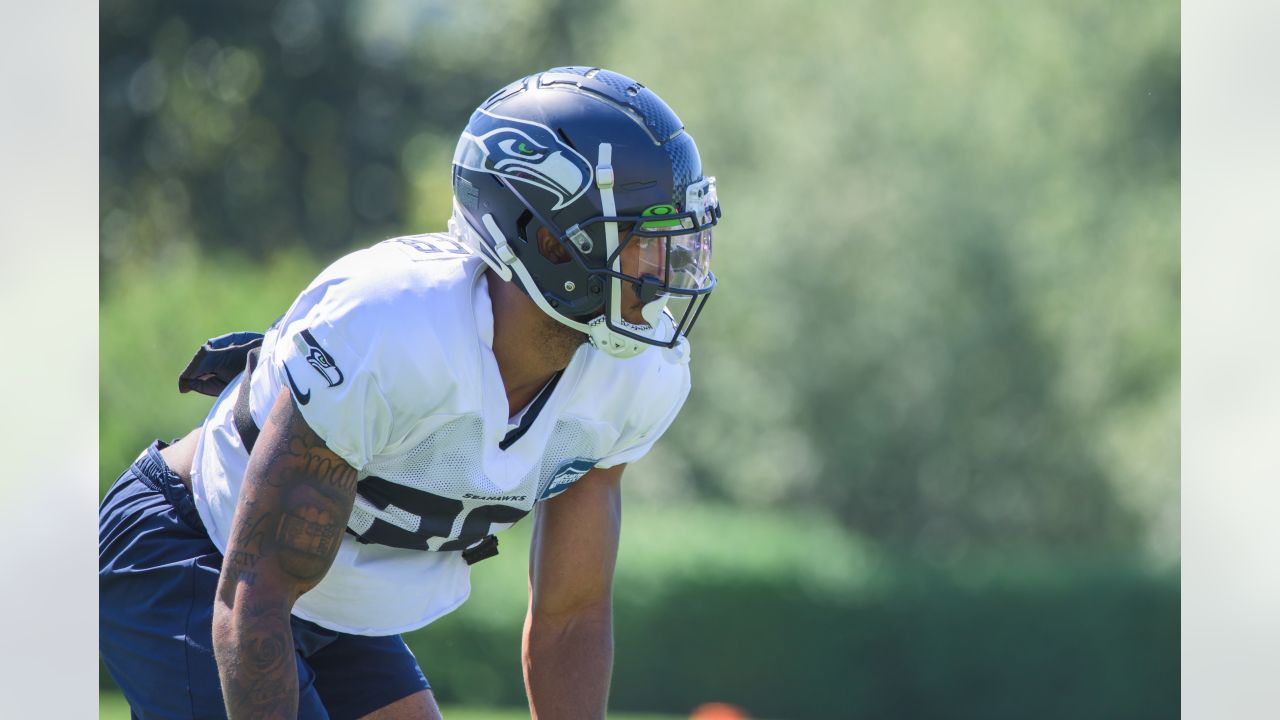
433	246
438	515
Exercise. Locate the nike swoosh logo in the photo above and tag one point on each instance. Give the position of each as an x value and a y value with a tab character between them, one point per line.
303	398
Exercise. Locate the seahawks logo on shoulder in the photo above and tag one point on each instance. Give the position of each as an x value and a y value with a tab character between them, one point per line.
525	152
319	358
566	475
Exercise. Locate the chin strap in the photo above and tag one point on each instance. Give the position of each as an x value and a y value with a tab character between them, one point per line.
602	337
604	181
495	257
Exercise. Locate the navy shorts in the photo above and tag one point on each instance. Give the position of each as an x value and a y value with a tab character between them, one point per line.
157	574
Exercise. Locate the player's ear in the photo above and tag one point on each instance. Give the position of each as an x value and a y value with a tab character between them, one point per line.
551	248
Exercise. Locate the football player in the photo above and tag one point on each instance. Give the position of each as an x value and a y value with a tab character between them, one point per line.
417	398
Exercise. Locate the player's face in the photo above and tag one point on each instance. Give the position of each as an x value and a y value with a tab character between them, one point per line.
680	261
642	257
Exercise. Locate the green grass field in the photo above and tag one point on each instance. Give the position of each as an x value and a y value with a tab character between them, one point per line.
111	706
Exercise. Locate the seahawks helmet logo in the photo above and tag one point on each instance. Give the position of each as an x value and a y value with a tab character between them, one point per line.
525	152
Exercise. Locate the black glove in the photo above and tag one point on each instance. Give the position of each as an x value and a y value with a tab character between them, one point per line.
218	362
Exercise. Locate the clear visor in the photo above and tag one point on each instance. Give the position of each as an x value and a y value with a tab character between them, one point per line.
677	262
675	250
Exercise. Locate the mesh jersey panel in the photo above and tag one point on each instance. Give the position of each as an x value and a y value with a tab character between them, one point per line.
568	442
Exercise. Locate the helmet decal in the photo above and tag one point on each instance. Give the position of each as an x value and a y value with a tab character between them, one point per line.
526	152
662	209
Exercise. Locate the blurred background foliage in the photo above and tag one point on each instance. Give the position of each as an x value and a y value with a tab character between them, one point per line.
936	395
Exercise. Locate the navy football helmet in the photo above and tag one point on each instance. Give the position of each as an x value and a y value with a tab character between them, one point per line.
600	162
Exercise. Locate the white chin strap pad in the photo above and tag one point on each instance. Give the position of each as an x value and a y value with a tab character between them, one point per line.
612	343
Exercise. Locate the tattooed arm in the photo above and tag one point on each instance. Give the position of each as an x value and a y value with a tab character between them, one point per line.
294	504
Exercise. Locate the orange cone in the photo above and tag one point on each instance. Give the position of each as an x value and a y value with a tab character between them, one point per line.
719	711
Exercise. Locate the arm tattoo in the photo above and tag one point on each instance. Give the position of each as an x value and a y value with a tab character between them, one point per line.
263	657
293	507
237	569
307	539
249	535
324	466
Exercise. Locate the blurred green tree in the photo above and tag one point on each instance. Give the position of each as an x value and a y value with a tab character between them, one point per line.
949	310
255	127
949	301
946	331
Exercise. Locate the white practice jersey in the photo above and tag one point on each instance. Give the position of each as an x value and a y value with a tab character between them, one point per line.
388	353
